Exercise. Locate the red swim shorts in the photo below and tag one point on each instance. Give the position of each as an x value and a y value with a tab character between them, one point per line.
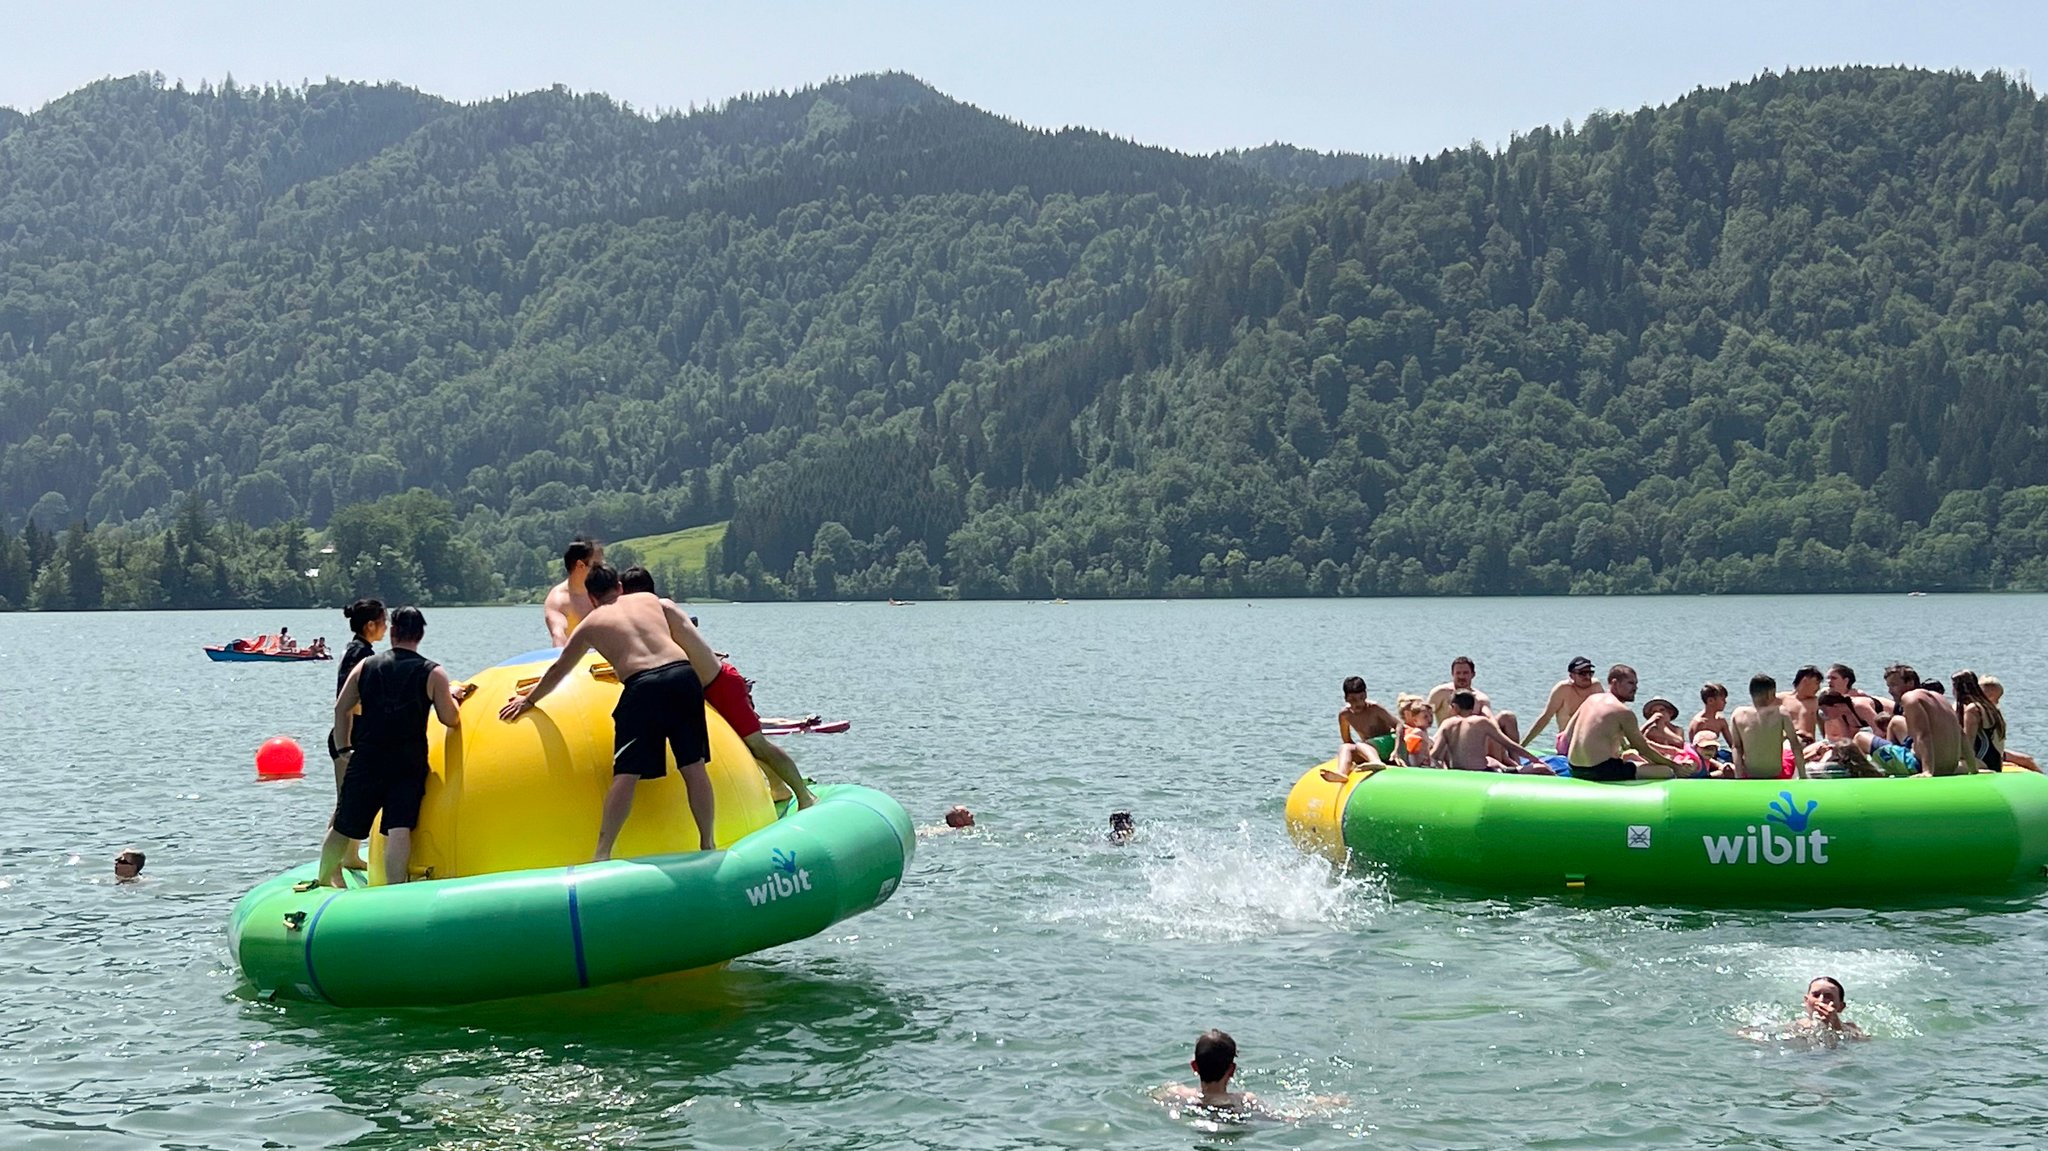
732	696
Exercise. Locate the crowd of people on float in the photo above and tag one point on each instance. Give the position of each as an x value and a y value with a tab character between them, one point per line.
1822	727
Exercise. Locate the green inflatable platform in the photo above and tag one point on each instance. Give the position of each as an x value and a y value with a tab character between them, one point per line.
1816	843
557	929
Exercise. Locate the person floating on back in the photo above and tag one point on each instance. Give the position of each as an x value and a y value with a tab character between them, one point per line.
383	753
569	602
656	651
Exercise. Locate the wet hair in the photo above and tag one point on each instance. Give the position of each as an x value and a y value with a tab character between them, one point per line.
580	550
1466	660
1969	690
131	856
1841	992
1712	691
1354	685
1579	664
1831	699
635	579
601	579
1215	1054
1805	673
362	613
1847	673
1761	685
1464	700
1121	823
408	625
1903	671
959	816
1620	671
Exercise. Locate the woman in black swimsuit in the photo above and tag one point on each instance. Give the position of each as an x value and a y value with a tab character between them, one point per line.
1983	724
366	620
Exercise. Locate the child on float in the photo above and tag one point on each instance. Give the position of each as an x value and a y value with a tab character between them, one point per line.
1713	701
1412	742
1660	725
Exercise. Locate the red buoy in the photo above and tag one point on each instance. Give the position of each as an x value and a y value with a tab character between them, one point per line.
280	758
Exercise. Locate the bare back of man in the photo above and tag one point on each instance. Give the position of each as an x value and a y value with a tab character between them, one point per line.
1936	734
1758	738
1475	742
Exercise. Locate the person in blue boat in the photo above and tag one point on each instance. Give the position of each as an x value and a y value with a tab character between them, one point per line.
384	753
656	651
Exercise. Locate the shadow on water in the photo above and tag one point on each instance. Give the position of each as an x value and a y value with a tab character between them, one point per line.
612	1066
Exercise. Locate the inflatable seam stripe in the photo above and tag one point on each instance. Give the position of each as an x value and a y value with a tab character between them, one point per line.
312	925
576	927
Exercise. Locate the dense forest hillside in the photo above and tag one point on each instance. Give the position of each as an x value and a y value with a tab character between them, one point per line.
1785	335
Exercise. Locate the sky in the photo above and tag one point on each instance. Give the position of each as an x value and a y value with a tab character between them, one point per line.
1197	75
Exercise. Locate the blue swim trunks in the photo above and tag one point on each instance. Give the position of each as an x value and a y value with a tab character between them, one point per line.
1892	758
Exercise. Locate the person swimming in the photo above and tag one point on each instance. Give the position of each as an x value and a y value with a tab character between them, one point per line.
1122	827
1825	1001
1214	1064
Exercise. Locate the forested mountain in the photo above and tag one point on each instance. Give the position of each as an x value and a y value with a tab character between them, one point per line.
1785	335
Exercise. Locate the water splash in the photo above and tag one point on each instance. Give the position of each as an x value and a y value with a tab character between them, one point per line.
1220	886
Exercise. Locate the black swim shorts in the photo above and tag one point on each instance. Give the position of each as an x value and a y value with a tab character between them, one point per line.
662	705
376	783
1606	771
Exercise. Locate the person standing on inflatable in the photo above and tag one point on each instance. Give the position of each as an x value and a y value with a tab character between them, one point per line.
654	649
365	619
395	689
732	696
569	602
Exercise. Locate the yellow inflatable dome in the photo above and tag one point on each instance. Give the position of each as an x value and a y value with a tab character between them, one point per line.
510	796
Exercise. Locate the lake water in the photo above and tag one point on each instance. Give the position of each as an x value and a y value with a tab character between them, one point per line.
1029	984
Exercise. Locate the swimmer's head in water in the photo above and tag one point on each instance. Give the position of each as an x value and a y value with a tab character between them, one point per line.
634	580
959	816
1464	701
408	625
1121	825
1828	989
602	582
128	865
1215	1056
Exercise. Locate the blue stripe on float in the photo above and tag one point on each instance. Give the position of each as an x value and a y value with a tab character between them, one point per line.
313	977
576	927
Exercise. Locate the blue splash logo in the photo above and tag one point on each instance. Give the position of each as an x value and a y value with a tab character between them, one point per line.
1785	815
1760	844
785	879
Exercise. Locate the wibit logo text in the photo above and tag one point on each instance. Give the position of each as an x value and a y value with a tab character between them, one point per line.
785	879
1760	844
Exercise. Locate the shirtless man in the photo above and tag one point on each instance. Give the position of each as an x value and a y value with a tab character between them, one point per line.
1566	698
569	602
655	651
1470	741
1842	678
1605	723
1763	735
1932	731
1359	720
1799	703
1462	671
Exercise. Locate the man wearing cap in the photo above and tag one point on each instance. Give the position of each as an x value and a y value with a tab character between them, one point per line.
1570	694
